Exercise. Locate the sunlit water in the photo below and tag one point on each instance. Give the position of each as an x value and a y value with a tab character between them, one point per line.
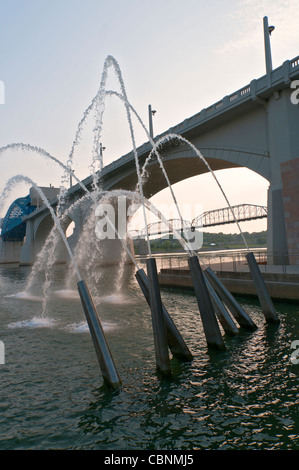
52	392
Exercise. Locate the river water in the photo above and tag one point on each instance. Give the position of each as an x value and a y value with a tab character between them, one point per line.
52	394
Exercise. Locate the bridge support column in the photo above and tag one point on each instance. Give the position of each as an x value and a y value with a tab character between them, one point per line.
276	233
27	254
110	214
37	232
283	141
290	189
10	251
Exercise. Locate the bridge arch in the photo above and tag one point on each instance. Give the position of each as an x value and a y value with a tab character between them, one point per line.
228	159
224	157
43	227
181	162
45	224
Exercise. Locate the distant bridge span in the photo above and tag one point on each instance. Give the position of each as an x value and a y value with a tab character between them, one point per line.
223	216
242	212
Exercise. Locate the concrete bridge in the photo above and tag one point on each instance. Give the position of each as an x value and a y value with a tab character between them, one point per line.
256	127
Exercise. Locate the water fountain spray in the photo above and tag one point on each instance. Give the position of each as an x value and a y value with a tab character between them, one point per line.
84	294
165	332
24	179
106	362
264	297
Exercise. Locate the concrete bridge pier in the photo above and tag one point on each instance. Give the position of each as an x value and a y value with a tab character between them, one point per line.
37	232
110	215
79	218
94	236
85	221
10	251
27	253
277	247
283	143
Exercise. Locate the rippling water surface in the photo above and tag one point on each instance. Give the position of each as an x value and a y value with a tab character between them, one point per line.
52	394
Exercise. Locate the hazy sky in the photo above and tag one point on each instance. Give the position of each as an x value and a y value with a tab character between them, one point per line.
178	56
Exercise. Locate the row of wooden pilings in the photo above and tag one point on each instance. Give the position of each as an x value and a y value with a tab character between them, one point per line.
214	304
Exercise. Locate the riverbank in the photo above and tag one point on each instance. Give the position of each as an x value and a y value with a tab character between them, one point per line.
280	285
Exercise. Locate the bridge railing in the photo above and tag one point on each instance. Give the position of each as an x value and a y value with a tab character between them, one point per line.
231	261
279	76
227	100
295	62
256	86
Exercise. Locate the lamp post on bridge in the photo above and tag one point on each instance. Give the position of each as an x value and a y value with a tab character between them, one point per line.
267	33
101	151
151	113
71	178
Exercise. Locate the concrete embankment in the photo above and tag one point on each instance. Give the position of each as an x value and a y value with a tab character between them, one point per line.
284	286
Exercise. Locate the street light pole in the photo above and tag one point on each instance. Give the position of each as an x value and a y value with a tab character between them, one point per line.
267	33
71	178
101	165
101	152
151	113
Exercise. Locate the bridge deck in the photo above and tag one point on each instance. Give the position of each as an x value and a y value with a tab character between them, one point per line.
242	100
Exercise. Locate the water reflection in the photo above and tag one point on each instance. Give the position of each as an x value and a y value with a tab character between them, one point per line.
241	398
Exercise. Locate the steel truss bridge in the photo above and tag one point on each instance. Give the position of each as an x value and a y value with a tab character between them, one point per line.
242	213
13	228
